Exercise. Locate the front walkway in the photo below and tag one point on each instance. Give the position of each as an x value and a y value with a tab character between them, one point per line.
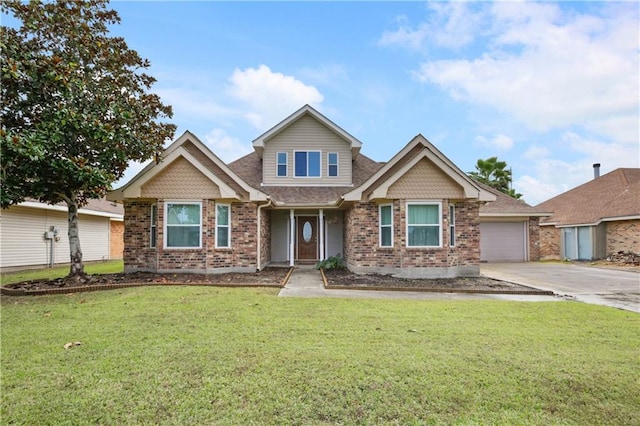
306	281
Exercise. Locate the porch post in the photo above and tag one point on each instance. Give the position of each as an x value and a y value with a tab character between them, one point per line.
292	238
321	232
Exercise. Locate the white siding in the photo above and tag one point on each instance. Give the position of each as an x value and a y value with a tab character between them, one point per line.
503	242
307	134
22	234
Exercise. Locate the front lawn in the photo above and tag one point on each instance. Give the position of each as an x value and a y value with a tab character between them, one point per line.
108	267
194	355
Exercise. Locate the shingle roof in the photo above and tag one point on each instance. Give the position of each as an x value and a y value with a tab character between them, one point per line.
249	169
507	205
615	194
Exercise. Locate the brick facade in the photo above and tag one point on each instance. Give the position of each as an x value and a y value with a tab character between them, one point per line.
241	256
623	236
363	253
549	243
534	239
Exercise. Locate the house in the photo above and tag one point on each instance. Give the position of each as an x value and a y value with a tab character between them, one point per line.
35	234
509	229
596	219
304	194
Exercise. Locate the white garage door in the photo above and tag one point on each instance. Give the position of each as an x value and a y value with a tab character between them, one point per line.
502	242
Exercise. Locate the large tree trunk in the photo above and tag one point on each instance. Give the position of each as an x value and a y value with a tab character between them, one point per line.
76	270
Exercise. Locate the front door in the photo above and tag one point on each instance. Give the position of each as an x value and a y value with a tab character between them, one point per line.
307	237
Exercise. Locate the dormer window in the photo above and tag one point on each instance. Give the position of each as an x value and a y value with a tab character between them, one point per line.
332	164
281	158
307	163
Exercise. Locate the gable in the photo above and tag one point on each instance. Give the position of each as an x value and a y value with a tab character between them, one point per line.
180	180
307	134
425	181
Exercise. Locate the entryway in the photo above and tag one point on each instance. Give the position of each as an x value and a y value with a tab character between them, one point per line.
307	238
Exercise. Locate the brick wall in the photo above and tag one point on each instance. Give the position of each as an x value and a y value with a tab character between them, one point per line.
623	236
362	250
549	243
241	255
137	228
265	233
116	239
534	239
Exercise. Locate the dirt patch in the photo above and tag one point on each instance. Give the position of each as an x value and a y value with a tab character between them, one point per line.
345	278
267	277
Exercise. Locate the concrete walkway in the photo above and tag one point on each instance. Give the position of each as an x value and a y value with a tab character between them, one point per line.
307	282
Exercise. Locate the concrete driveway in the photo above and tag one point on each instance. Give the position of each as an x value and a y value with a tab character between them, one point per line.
610	287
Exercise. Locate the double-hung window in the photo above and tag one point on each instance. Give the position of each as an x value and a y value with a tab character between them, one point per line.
281	158
183	224
223	225
153	230
452	225
307	163
386	225
423	224
332	164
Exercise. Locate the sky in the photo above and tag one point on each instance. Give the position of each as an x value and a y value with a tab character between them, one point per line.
550	88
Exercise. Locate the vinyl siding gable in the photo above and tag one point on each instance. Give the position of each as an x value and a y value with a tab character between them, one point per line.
307	134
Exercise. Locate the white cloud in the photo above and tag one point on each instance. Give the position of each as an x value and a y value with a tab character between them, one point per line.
450	25
549	177
499	142
551	68
226	147
536	152
269	96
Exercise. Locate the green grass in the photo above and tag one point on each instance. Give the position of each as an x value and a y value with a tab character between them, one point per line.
193	355
109	267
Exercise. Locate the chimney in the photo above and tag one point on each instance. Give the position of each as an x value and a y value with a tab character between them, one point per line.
596	170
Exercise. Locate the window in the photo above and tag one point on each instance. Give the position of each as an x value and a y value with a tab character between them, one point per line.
423	225
386	225
307	163
223	225
452	225
154	226
183	225
332	164
282	164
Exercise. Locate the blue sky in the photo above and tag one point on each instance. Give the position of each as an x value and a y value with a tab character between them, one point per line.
551	88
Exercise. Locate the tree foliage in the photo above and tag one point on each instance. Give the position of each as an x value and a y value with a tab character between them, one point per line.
494	173
76	107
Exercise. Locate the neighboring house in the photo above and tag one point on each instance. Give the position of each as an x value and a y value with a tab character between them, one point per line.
595	219
35	233
306	193
509	229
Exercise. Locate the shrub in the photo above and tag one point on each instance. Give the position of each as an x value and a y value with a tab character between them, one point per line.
333	262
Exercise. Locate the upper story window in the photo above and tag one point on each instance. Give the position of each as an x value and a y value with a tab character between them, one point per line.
281	160
332	164
183	225
307	163
423	225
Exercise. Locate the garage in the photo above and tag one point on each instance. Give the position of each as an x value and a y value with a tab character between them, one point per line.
503	241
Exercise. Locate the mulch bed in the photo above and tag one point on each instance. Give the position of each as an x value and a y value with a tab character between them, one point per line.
268	277
344	279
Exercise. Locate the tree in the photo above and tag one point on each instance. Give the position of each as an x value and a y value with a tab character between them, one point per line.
494	173
75	108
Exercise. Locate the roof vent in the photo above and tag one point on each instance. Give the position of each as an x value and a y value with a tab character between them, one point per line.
596	170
